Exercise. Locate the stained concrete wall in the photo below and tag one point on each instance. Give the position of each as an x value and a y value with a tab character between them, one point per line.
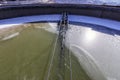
109	12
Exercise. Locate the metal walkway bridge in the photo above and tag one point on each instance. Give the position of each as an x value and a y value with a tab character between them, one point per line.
62	55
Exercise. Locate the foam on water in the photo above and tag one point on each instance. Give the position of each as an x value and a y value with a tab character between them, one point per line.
11	36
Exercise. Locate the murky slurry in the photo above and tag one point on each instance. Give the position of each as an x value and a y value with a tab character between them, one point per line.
25	54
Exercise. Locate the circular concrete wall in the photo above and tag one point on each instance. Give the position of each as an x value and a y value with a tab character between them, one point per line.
109	12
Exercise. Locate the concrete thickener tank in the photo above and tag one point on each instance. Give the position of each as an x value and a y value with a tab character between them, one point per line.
30	47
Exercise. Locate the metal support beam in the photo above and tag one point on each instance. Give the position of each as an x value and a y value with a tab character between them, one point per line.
62	27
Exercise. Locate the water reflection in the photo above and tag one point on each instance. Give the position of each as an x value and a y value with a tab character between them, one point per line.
90	35
103	44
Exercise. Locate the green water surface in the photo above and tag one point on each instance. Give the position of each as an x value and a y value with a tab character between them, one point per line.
27	57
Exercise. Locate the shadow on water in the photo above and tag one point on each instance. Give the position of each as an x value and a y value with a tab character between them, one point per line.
98	28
